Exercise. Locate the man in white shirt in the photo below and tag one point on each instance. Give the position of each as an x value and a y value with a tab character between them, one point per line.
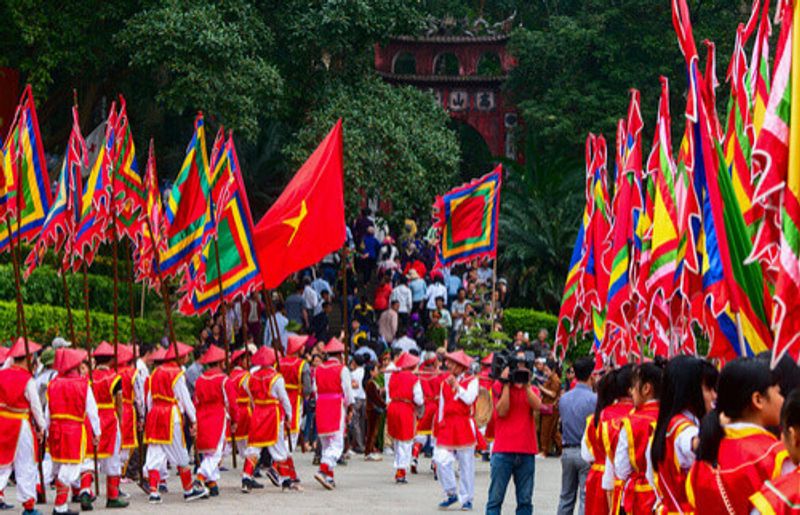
358	422
402	294
310	301
436	290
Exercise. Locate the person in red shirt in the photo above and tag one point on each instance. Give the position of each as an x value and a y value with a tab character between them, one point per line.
168	401
781	496
297	376
455	432
217	414
593	451
611	419
382	294
70	403
430	378
515	446
132	404
107	392
20	409
736	456
239	375
404	395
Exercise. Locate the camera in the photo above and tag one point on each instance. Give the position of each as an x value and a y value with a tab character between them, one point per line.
508	359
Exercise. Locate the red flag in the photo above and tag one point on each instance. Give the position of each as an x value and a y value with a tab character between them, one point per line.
307	220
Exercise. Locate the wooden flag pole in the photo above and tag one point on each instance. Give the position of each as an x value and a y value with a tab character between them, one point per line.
345	311
115	265
89	359
164	288
277	346
70	323
131	302
22	325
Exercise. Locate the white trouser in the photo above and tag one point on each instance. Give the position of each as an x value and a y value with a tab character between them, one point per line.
445	461
279	451
24	466
294	437
422	439
209	467
112	466
47	468
402	454
159	454
332	448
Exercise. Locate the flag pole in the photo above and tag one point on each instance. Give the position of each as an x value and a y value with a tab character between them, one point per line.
740	335
225	331
65	286
131	303
115	265
277	346
88	345
345	298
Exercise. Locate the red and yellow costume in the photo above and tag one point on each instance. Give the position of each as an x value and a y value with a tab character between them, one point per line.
128	425
291	368
400	416
267	414
748	456
780	496
214	394
158	426
670	478
455	426
66	402
104	382
239	378
596	500
14	411
611	420
638	496
330	397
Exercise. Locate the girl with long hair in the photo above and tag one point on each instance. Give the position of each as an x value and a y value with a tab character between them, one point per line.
611	420
593	450
736	456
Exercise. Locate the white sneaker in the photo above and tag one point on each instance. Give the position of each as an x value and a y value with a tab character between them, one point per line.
388	451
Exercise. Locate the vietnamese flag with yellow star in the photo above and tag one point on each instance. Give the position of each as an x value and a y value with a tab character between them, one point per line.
307	220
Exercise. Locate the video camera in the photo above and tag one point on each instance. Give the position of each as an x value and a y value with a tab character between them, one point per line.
509	359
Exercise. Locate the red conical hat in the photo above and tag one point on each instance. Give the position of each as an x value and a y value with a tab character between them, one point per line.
265	357
104	350
295	343
333	347
158	354
183	350
459	357
3	354
237	354
66	359
488	359
213	355
406	360
18	349
124	354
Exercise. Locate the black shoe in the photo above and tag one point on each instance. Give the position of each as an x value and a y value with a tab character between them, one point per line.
162	488
116	503
154	498
213	491
86	502
198	492
315	461
258	474
68	512
272	475
4	506
341	462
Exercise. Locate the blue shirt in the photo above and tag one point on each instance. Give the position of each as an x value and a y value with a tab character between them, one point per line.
371	246
418	290
575	406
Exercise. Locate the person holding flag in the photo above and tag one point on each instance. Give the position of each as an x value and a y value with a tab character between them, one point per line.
168	401
20	409
132	404
297	377
333	389
239	376
404	395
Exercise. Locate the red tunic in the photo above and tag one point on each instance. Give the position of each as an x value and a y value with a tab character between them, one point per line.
638	495
104	382
747	457
330	397
400	417
454	425
210	393
128	424
158	426
267	415
14	411
670	478
67	436
431	382
596	501
488	383
780	496
611	420
291	368
239	378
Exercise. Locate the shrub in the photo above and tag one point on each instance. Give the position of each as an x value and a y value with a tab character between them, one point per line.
528	320
46	322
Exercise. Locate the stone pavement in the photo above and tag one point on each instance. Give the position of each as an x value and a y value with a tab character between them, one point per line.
362	488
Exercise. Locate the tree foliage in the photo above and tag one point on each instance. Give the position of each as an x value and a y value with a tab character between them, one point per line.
396	144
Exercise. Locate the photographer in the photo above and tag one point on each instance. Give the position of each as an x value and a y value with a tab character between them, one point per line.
515	446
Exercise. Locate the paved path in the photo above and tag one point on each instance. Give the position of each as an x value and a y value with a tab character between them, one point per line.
363	488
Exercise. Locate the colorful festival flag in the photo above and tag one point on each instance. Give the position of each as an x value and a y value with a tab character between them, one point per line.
62	219
153	238
25	196
465	219
128	194
188	205
95	212
238	266
307	220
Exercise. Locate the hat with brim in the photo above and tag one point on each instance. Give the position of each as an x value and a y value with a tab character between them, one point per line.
213	355
333	347
104	350
459	357
488	359
67	359
183	350
18	349
295	343
406	360
265	357
158	355
238	355
125	354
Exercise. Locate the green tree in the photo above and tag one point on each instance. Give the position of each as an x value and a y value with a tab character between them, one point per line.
396	142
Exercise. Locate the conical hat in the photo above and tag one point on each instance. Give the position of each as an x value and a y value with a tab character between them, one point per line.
213	355
104	350
406	360
183	350
68	359
265	357
18	349
333	347
459	357
295	344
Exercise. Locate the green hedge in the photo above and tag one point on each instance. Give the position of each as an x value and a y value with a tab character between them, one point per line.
46	322
528	320
44	286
